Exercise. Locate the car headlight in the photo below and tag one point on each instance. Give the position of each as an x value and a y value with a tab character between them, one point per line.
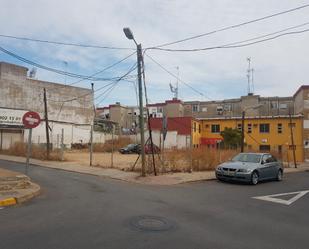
219	168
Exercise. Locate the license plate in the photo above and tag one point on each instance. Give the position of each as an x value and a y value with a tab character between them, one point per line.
229	173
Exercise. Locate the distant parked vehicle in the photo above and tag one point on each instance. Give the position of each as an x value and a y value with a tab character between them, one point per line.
130	149
251	167
136	148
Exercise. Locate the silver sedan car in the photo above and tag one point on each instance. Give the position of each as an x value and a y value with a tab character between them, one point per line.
251	167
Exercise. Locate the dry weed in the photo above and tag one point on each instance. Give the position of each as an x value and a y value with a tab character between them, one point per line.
37	152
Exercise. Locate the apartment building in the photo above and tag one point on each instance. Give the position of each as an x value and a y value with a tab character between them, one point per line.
262	133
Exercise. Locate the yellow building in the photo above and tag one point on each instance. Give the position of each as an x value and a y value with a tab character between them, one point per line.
265	133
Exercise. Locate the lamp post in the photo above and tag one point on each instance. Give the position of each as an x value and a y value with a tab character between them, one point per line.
243	114
130	36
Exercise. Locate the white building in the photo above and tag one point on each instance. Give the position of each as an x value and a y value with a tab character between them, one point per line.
69	108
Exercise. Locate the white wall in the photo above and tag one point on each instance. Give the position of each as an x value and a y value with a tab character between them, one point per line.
72	134
172	140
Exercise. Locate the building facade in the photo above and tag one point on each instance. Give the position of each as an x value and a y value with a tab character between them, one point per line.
265	133
69	108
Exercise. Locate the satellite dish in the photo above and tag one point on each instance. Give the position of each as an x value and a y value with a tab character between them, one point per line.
32	73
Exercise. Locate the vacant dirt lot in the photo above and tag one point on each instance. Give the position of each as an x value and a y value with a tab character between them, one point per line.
102	159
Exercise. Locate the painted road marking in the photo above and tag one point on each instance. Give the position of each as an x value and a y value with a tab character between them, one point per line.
297	195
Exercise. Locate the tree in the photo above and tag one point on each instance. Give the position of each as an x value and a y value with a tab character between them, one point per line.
231	137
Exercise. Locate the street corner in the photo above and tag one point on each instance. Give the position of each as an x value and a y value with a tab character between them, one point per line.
16	188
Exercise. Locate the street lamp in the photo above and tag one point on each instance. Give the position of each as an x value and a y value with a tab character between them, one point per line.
130	36
243	124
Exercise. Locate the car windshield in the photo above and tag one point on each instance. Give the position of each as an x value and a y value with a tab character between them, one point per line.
131	145
252	158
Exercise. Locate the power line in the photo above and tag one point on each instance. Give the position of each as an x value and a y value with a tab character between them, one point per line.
176	77
230	45
89	93
108	92
99	72
73	75
92	92
233	26
64	43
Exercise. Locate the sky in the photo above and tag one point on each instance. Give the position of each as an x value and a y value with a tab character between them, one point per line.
280	65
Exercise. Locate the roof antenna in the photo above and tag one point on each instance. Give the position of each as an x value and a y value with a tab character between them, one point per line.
250	77
175	89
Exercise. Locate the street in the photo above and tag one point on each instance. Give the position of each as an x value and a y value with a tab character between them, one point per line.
83	211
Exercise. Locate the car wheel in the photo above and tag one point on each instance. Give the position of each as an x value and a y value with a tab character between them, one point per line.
279	175
254	178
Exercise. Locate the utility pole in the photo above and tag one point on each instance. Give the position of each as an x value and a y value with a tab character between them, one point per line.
91	129
112	155
141	108
242	131
46	125
292	139
128	33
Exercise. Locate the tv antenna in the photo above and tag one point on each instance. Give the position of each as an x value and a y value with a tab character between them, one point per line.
173	88
250	77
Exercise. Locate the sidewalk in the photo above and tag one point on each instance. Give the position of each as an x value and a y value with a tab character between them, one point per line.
15	188
134	177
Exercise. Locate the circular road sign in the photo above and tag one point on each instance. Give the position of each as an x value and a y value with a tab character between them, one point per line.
31	119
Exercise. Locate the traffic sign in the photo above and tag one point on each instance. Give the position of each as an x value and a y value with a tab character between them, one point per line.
31	119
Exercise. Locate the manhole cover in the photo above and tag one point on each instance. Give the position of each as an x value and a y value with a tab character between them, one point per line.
151	223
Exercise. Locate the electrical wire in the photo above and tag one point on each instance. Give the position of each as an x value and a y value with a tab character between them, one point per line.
233	26
99	72
89	93
108	92
176	77
230	45
73	75
64	43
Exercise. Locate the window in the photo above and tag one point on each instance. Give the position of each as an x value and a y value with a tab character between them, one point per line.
264	147
292	147
264	128
292	124
283	106
269	159
239	127
160	109
195	108
199	128
279	128
249	128
215	128
274	104
194	127
219	110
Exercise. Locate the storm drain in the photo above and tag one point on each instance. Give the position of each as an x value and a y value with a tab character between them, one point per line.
151	223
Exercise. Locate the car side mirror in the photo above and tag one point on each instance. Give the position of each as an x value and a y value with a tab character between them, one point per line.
262	162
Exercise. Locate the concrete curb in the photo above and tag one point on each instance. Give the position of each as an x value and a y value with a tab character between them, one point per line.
8	202
20	198
29	196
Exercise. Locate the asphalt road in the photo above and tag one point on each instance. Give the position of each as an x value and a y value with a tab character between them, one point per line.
81	211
